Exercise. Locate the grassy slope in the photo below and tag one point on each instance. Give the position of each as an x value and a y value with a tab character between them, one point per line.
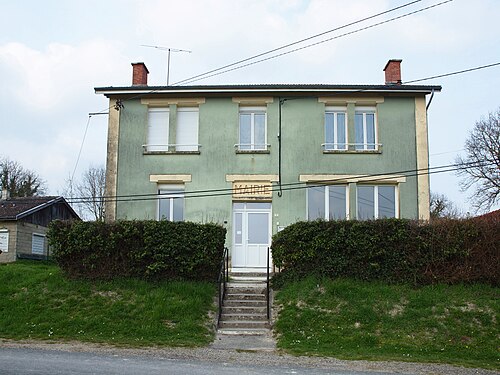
38	303
357	320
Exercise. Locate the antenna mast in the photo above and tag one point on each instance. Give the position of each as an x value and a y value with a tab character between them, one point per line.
169	50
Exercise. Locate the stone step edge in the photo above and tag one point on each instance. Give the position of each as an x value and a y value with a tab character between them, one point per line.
244	331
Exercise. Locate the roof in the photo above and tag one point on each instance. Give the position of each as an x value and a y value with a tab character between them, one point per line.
17	208
493	216
296	89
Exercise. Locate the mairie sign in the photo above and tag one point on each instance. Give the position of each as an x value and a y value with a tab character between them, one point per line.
252	190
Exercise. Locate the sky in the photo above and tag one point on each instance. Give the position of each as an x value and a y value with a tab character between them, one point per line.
53	54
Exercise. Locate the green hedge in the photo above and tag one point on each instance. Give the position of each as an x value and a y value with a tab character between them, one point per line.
143	249
392	250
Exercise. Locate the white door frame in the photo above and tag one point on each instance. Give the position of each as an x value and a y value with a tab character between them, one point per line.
243	257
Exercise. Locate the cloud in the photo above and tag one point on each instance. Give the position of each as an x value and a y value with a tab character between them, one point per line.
50	79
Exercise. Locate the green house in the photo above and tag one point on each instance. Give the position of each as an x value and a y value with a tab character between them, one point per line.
257	158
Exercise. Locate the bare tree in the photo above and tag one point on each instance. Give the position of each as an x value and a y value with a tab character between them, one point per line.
442	207
18	181
480	167
91	191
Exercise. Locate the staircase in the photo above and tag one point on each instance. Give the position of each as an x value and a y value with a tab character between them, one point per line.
244	309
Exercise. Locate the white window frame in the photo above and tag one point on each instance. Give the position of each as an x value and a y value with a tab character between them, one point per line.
6	237
252	111
326	193
375	199
152	147
38	235
194	146
365	145
335	111
177	191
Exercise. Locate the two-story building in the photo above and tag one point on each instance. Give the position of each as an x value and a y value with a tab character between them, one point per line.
260	157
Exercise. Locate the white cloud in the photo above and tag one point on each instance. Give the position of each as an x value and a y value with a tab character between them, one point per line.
61	74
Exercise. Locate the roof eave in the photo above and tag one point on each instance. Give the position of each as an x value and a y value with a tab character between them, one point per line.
147	90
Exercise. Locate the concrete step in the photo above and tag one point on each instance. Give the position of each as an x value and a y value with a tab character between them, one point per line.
249	274
248	279
244	324
245	296
244	331
244	309
242	289
243	317
242	303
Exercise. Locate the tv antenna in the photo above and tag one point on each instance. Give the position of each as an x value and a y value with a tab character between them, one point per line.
169	50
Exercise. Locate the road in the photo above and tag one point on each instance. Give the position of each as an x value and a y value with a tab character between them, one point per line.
21	361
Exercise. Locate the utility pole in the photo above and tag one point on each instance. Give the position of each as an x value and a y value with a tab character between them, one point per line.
169	50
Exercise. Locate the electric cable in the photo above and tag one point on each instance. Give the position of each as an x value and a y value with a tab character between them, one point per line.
298	42
264	53
320	42
290	186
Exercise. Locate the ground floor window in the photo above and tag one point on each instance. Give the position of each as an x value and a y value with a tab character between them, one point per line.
38	244
4	241
170	203
327	202
376	202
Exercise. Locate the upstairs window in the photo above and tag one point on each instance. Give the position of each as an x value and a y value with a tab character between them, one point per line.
327	202
335	128
158	120
171	203
252	131
187	129
376	202
365	129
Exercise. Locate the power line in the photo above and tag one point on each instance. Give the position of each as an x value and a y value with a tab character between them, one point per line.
298	42
454	73
298	49
317	43
290	186
81	148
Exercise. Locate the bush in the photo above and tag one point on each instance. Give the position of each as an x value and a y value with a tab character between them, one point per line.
391	250
144	249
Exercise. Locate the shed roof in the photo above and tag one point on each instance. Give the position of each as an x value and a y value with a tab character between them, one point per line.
19	207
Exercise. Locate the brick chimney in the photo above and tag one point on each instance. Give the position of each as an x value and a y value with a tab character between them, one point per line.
139	74
393	72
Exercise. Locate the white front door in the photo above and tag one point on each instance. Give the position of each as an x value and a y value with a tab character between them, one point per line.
251	234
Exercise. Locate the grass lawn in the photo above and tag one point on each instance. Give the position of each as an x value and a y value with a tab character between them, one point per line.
360	320
37	302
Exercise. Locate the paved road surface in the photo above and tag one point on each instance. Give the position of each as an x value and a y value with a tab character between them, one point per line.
21	361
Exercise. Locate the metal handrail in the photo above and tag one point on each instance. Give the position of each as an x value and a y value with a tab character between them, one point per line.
267	286
222	279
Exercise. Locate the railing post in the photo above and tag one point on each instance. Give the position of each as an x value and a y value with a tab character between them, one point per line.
267	289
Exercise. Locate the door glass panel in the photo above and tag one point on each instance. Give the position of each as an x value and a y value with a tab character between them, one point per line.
341	131
245	131
260	131
386	201
358	131
238	228
164	208
258	228
370	131
316	202
337	200
238	206
329	131
259	206
366	203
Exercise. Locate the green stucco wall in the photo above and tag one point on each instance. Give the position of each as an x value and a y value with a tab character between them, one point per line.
302	135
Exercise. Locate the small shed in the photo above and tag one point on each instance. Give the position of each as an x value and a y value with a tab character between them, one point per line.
24	224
